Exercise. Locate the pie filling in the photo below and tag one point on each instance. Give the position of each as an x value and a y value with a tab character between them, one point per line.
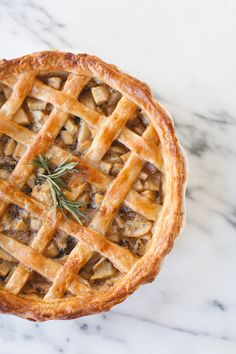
131	225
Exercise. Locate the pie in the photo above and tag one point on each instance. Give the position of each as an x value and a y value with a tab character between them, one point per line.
131	177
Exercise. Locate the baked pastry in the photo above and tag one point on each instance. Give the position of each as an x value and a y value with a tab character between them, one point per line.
97	134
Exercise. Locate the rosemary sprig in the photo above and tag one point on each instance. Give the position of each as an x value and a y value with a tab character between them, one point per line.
55	182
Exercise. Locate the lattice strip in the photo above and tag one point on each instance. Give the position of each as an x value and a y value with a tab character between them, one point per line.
142	205
20	90
143	147
63	101
58	155
116	193
65	275
20	175
120	257
40	142
95	119
40	264
110	130
20	276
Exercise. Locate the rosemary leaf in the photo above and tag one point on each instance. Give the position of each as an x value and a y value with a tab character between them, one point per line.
53	178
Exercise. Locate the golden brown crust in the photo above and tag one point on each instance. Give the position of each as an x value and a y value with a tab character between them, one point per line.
170	217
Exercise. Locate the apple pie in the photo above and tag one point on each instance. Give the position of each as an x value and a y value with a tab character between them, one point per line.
92	182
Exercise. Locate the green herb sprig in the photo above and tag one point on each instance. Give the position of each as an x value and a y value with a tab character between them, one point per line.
55	182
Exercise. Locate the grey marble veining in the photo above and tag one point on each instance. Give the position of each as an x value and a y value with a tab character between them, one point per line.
186	52
30	19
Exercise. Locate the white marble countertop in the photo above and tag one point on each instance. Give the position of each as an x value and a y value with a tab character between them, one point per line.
186	51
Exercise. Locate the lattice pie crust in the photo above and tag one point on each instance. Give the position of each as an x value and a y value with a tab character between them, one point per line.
131	178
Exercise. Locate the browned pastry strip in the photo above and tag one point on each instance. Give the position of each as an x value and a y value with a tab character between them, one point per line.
21	275
65	102
118	190
24	168
20	90
116	193
58	155
66	274
33	260
87	172
142	205
110	129
40	242
20	175
15	131
122	259
143	147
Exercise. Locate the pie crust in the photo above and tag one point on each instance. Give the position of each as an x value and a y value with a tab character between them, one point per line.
132	176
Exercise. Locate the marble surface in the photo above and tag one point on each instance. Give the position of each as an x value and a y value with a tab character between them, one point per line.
186	51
